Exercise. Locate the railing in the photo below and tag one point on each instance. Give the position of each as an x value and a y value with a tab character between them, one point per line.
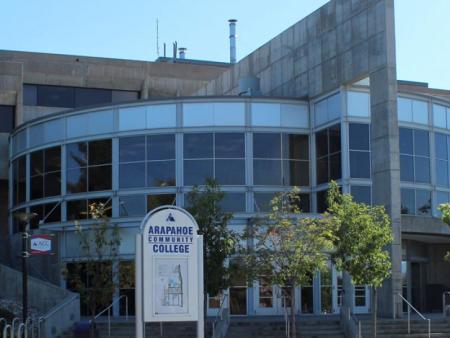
409	315
444	303
222	320
350	324
5	331
55	310
108	308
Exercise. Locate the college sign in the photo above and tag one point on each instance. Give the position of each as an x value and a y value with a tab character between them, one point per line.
169	269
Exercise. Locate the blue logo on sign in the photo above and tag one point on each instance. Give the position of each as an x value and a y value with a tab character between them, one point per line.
170	218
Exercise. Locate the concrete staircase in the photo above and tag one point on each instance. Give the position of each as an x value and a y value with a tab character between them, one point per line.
390	328
274	327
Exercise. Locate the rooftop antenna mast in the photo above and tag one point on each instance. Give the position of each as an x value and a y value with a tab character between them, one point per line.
157	37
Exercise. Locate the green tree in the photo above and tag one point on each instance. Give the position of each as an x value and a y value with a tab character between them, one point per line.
288	247
445	210
219	242
93	276
363	232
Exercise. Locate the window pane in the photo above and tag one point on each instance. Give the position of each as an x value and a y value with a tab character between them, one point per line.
53	212
132	149
295	147
358	104
76	155
55	96
233	202
105	201
76	180
296	173
262	201
52	184
124	96
100	178
161	147
36	187
441	173
229	145
439	116
322	201
52	159
131	206
100	152
423	202
266	145
359	136
198	145
335	166
91	96
305	202
422	169
132	175
196	171
155	201
29	95
322	143
161	173
406	141
421	143
230	172
440	141
322	170
359	164
7	118
76	210
40	214
37	163
267	172
441	197
406	168
361	194
408	201
335	138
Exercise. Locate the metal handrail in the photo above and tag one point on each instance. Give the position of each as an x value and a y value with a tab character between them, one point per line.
5	331
444	303
287	322
22	329
40	320
3	320
55	309
420	315
13	325
350	322
108	308
219	315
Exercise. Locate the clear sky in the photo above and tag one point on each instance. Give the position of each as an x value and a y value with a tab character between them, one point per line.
127	29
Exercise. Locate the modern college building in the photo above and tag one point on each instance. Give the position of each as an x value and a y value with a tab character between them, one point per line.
319	102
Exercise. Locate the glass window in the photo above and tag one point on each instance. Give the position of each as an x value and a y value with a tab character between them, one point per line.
439	116
267	172
358	104
420	111
91	96
408	203
266	114
441	152
295	146
229	145
196	171
360	164
407	168
76	180
404	108
295	173
441	197
99	178
442	173
132	175
198	145
7	118
233	202
132	149
45	173
19	180
77	210
423	202
421	143
262	201
362	194
55	96
100	152
422	169
161	116
76	155
440	142
294	116
132	206
161	173
322	143
162	147
198	114
328	144
230	172
132	118
414	168
322	201
155	201
327	109
266	145
359	136
124	96
29	95
406	141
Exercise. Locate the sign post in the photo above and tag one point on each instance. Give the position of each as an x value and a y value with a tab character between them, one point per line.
169	270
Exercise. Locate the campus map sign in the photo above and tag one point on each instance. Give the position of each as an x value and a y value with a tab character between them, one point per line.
169	268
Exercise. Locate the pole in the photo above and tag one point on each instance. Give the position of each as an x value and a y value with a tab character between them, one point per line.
24	273
139	316
200	321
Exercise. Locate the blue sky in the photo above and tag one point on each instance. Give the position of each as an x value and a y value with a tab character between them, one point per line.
127	29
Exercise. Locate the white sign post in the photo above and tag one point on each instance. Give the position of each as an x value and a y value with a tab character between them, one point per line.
169	270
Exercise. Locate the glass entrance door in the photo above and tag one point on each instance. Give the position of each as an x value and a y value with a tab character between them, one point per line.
265	299
361	299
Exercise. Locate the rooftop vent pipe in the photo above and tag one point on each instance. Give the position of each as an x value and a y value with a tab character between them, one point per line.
182	51
232	40
249	86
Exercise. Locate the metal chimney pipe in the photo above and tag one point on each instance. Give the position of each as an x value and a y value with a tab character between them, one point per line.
182	51
232	40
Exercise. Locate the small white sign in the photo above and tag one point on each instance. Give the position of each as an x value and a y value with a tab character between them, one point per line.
40	244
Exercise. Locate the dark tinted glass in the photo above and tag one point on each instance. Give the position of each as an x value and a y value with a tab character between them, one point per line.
7	119
230	172
266	145
154	201
132	175
423	202
52	159
441	173
295	146
161	147
229	145
335	166
305	203
53	212
132	149
196	171
335	138
361	194
407	168
321	201
262	201
55	96
161	173
421	143
359	136
233	202
296	173
36	187
99	178
99	152
198	145
406	141
440	142
322	143
76	180
408	201
91	96
359	164
422	169
76	155
37	163
29	95
76	210
40	214
131	206
322	170
124	95
52	184
267	172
